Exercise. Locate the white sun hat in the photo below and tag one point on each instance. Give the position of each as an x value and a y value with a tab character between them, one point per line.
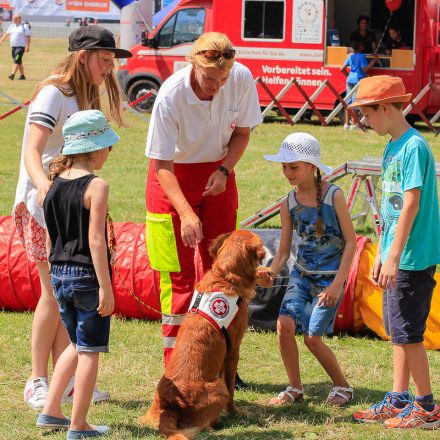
299	147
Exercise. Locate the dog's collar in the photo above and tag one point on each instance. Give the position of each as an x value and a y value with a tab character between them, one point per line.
218	308
234	283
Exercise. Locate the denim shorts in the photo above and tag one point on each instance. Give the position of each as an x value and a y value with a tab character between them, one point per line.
406	306
76	290
300	304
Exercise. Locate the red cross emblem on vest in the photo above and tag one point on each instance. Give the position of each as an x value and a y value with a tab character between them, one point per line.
219	308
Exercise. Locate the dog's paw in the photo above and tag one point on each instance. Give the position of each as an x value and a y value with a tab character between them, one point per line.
265	276
147	420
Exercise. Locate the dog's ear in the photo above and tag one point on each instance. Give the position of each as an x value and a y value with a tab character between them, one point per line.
217	243
255	250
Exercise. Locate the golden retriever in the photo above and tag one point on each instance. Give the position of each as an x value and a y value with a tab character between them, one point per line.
198	382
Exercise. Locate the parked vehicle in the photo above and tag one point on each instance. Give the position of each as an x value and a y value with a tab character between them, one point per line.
281	39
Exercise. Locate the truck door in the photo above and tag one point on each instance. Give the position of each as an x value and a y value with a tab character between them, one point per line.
175	38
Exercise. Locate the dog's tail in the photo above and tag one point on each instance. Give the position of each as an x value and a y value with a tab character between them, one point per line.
168	427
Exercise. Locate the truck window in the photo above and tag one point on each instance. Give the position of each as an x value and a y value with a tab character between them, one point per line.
263	19
166	33
183	27
189	25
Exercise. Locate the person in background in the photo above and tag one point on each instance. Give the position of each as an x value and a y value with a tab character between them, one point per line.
20	34
364	35
359	66
395	41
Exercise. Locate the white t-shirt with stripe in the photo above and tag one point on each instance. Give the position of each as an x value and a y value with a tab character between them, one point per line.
50	108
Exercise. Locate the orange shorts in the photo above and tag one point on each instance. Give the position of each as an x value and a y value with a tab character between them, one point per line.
32	235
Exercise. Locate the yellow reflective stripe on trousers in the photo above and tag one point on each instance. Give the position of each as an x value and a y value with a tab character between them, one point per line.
166	292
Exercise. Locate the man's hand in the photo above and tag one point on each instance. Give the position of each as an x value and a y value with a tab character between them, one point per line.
106	302
388	273
329	296
191	229
216	184
43	188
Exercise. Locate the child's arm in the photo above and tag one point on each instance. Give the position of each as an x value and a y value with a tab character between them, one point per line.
283	252
371	63
388	273
377	265
330	296
98	190
37	139
345	65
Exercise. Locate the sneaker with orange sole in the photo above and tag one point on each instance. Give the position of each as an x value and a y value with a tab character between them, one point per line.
379	412
415	416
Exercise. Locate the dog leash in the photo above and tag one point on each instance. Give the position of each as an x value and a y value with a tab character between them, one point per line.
112	249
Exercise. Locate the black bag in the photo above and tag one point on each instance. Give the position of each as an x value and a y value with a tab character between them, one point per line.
264	308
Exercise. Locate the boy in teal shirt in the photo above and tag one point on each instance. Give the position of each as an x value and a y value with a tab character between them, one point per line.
408	252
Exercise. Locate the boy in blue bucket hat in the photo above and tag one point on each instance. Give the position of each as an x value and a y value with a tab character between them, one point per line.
75	210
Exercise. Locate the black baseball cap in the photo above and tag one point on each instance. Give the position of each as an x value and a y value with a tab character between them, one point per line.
95	38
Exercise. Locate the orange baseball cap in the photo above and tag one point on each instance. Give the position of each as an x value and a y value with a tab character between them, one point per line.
380	89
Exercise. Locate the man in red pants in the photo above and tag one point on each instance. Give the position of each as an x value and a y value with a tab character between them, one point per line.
199	129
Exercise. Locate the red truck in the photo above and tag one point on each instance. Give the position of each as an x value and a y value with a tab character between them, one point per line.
283	39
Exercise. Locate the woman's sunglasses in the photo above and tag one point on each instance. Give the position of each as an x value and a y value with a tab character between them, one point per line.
213	54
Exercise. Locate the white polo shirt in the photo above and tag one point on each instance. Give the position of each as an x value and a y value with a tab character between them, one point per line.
18	33
185	129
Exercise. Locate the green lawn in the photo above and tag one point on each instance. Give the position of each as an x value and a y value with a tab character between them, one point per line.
134	365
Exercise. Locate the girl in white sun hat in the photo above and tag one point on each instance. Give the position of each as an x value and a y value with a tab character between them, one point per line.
317	211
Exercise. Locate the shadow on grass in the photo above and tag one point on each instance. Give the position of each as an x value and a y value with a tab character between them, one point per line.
248	435
316	393
136	431
141	405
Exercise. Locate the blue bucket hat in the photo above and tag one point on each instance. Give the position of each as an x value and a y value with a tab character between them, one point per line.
86	131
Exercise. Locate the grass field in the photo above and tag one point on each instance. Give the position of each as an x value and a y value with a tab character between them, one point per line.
134	365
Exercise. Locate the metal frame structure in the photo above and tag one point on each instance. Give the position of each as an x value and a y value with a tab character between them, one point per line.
365	173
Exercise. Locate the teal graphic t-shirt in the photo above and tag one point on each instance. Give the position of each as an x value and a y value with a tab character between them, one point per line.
408	163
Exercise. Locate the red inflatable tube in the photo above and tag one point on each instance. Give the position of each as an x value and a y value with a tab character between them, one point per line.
132	274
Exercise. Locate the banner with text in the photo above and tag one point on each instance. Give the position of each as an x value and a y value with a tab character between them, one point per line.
100	9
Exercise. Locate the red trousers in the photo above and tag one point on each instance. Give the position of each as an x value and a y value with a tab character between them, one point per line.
174	263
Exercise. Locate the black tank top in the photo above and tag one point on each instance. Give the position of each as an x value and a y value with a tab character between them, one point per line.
67	221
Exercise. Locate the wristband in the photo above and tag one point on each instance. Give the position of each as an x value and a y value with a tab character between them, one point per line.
224	170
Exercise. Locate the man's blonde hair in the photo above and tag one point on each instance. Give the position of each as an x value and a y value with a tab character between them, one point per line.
211	41
72	79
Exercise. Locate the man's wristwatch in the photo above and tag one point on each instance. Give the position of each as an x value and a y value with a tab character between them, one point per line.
224	170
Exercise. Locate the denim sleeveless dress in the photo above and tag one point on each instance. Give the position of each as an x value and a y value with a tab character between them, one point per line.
316	265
